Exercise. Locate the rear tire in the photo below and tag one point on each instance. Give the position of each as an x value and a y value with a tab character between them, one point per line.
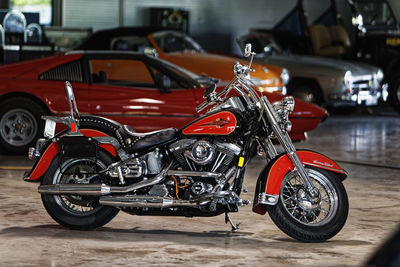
307	221
74	211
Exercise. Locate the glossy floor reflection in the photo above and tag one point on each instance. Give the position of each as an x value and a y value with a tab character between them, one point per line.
369	145
358	139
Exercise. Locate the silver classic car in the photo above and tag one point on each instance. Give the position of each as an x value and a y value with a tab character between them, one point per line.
324	81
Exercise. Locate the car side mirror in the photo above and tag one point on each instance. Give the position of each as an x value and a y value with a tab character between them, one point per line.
165	83
150	51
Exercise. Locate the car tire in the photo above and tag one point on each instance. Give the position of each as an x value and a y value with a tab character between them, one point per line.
307	91
20	124
394	93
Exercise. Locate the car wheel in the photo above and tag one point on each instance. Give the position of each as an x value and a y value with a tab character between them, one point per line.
394	93
307	91
20	124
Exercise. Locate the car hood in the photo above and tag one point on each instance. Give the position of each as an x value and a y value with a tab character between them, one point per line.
220	67
299	63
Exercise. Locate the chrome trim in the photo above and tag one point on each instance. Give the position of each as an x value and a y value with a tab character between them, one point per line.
324	167
145	202
235	149
205	159
220	159
196	174
267	199
97	189
181	144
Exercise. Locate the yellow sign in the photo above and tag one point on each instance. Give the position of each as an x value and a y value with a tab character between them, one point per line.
393	41
241	161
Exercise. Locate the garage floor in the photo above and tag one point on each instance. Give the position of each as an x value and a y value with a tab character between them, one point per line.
366	146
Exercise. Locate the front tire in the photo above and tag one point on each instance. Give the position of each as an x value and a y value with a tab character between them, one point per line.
308	91
74	211
306	219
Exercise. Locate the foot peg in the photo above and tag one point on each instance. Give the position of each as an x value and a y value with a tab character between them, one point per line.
228	219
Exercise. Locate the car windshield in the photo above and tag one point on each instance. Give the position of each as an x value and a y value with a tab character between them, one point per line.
179	71
375	13
260	43
170	42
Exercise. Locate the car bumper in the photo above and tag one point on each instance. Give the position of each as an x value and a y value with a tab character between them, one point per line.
368	97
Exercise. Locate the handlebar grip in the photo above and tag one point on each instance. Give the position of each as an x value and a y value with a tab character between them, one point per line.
201	106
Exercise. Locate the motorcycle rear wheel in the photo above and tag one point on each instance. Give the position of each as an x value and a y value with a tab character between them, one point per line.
74	211
309	220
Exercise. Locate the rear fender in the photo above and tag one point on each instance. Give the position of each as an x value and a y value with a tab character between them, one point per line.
269	182
53	149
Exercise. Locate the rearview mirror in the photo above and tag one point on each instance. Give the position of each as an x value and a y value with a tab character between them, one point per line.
247	50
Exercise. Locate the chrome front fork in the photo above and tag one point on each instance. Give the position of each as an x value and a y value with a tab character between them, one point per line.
287	144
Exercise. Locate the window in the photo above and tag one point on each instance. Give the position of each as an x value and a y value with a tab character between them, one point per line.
170	42
43	7
121	72
130	43
71	71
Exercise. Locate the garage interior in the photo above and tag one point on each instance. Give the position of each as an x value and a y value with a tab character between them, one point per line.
363	140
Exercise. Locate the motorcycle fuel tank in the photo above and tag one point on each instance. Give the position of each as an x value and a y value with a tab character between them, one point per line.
220	123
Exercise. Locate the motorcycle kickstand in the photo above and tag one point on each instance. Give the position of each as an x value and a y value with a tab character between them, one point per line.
228	219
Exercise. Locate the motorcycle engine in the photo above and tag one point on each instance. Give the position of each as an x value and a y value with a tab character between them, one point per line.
200	155
149	164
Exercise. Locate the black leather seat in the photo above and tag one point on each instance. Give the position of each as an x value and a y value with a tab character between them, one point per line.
134	142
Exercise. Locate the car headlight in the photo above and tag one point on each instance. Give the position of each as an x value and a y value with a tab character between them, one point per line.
285	77
348	79
379	76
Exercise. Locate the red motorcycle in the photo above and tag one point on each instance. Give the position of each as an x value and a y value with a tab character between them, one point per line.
98	167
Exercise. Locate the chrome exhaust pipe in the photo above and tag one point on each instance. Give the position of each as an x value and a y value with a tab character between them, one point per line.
145	202
99	189
74	189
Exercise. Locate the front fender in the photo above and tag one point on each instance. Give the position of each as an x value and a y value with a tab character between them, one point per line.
269	182
52	150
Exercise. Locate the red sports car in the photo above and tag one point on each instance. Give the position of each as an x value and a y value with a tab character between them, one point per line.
142	91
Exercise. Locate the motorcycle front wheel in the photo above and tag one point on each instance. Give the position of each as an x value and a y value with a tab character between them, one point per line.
75	211
311	219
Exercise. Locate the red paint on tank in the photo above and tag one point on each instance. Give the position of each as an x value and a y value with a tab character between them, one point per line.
221	123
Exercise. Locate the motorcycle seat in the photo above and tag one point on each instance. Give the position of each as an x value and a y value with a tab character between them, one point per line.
133	142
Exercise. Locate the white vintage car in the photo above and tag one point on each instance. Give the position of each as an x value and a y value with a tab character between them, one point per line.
324	81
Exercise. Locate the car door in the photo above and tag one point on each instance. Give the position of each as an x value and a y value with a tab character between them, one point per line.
125	90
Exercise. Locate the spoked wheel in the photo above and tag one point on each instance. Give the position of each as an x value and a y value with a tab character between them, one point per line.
76	211
306	218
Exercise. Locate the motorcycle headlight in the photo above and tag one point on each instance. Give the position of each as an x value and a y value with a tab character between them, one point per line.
288	103
348	79
285	77
283	109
